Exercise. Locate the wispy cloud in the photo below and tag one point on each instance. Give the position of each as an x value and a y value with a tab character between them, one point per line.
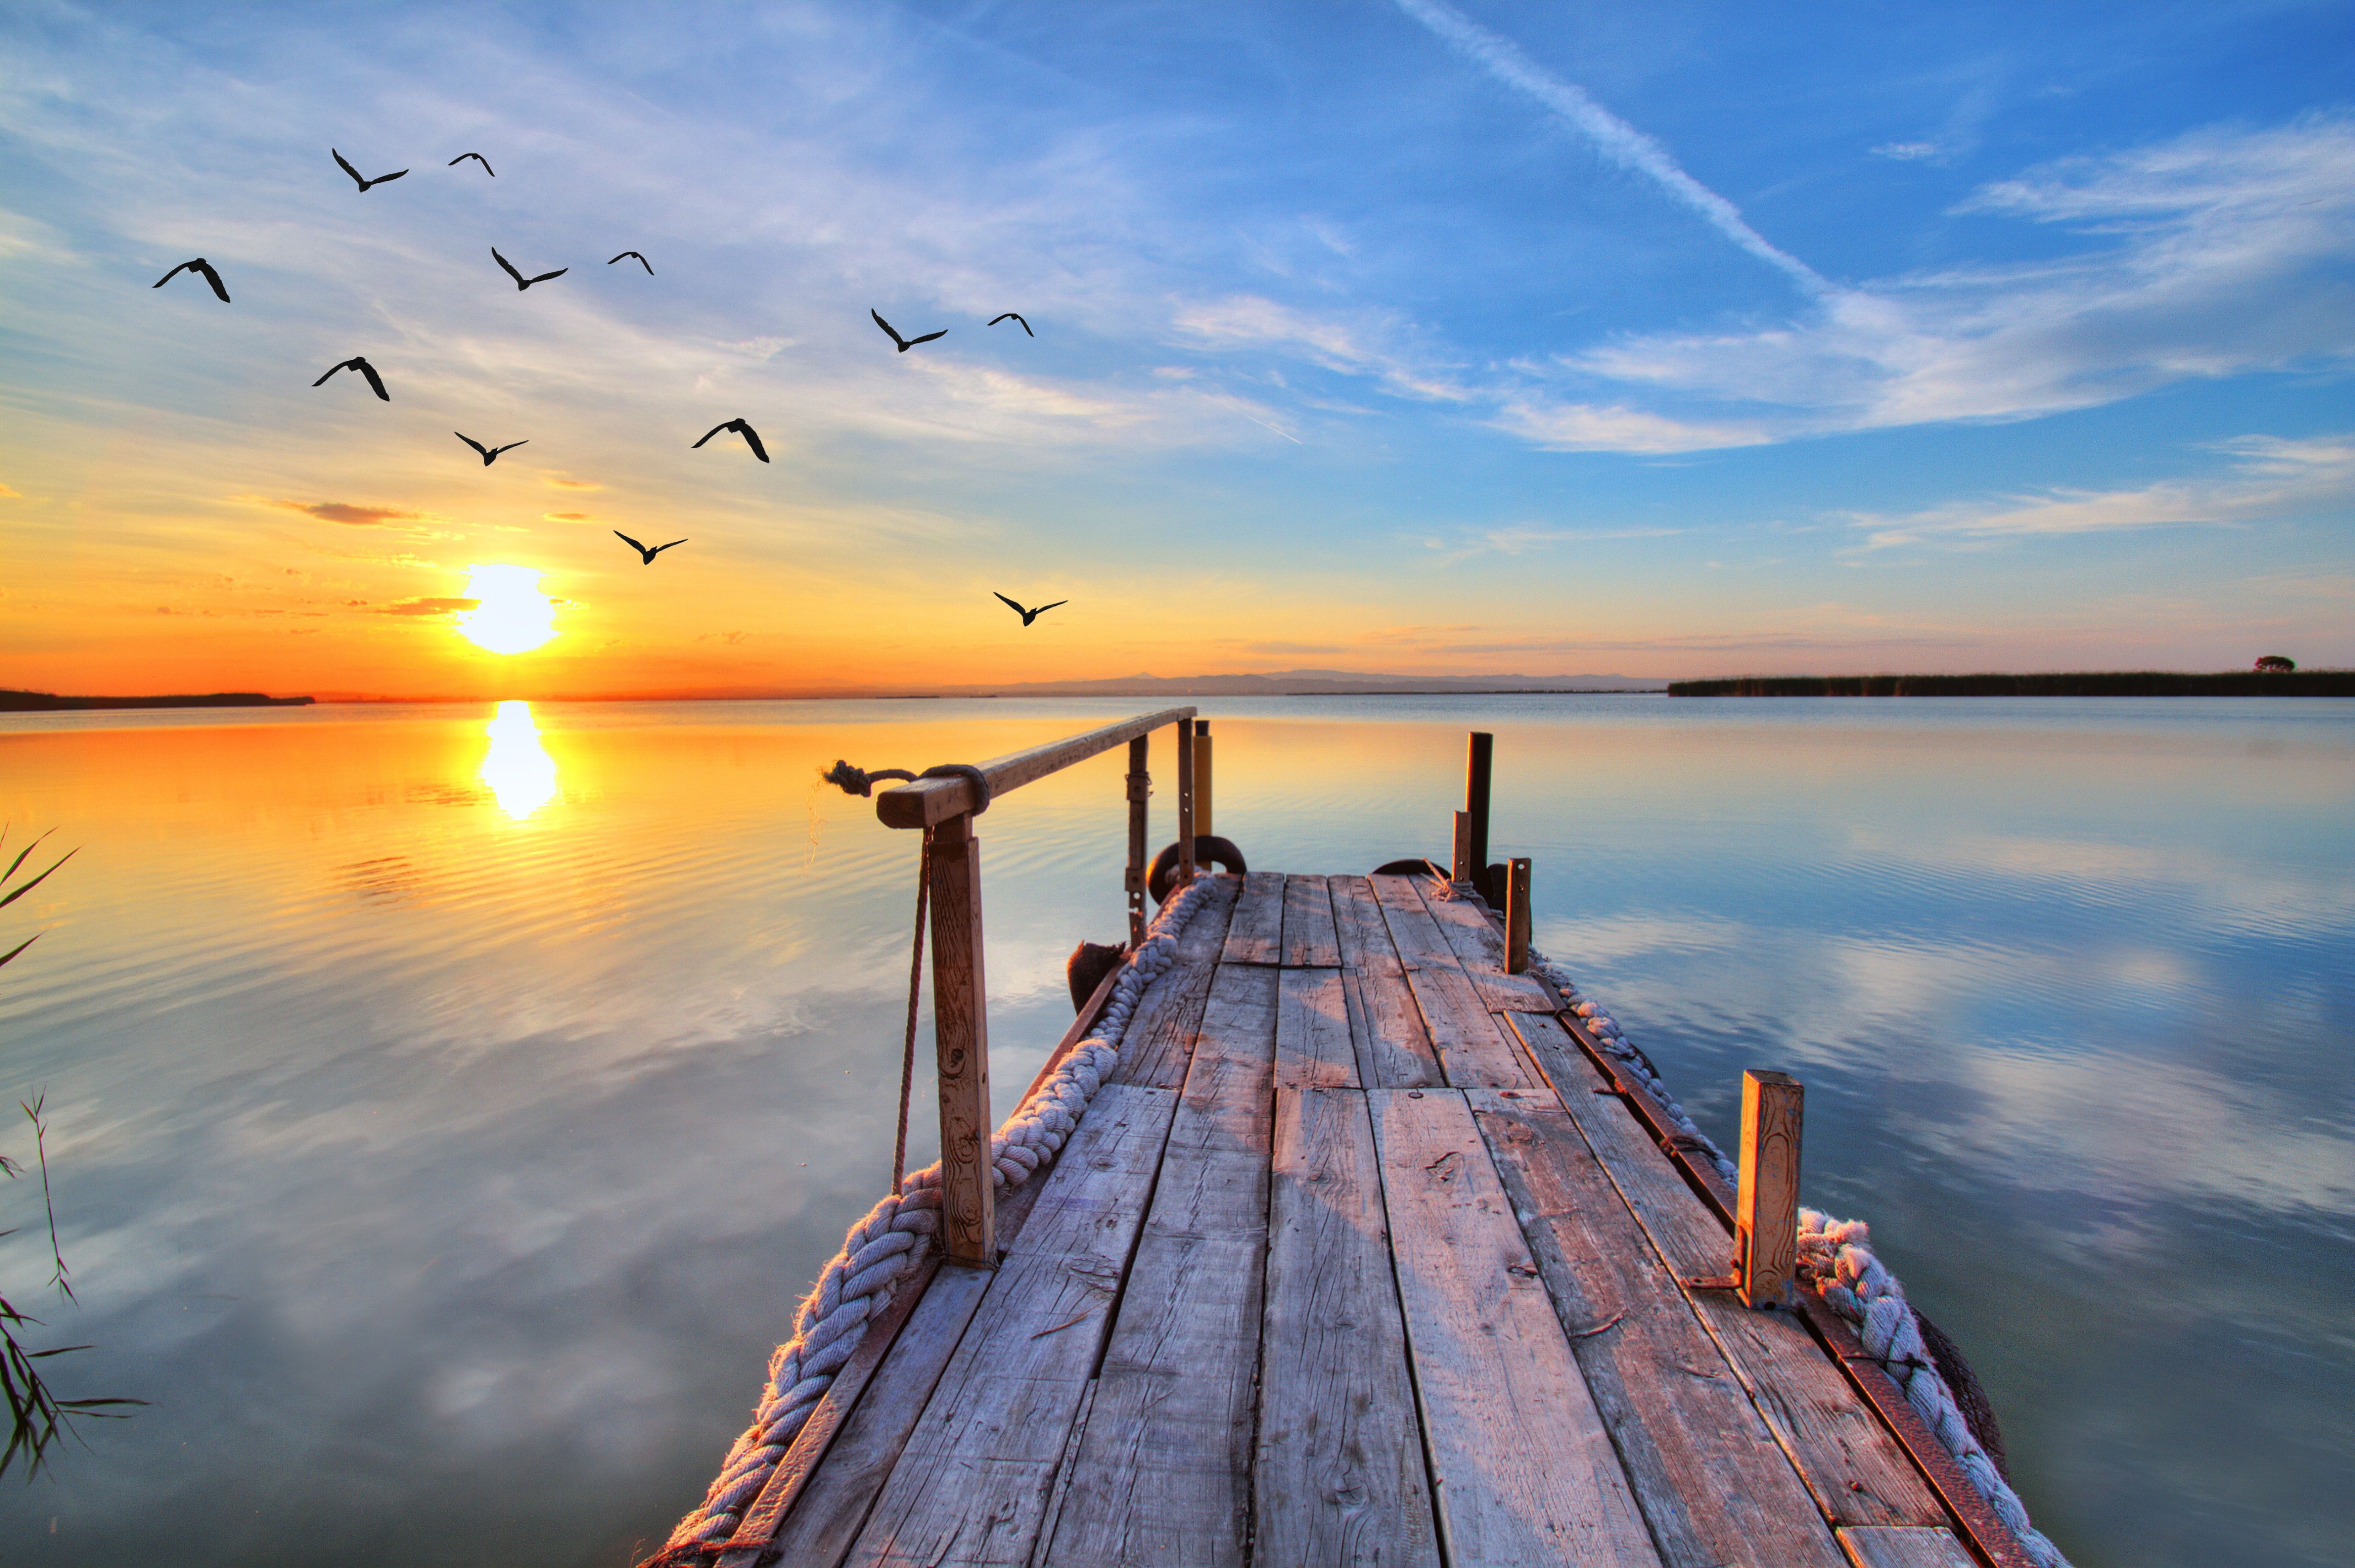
1906	151
2274	478
356	516
2220	252
1623	143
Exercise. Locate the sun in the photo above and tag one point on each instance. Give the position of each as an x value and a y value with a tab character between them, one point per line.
510	614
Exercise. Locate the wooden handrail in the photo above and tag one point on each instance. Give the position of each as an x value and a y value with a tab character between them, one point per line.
930	801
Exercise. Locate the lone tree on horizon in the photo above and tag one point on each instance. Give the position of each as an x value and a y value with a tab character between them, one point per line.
2275	664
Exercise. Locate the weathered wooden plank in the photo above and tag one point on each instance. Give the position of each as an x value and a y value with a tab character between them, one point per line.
928	802
1470	932
1856	1471
1339	1475
1420	943
1477	945
1163	1474
1255	934
1767	1205
1386	1029
1523	1469
1364	936
971	1485
1313	1047
1160	1035
961	1046
1310	941
830	1506
1713	1483
1904	1546
1475	1048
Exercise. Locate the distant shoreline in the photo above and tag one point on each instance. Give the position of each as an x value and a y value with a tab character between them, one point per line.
2088	684
50	702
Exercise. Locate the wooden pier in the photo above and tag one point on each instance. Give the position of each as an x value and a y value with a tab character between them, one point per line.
1365	1253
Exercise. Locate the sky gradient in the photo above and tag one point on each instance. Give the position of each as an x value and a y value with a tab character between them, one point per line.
1395	336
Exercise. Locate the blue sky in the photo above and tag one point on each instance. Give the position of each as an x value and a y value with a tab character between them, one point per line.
1410	336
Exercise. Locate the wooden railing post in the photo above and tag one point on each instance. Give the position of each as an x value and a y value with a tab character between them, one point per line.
1140	790
1516	916
1478	763
1766	1204
1202	777
961	1042
1186	802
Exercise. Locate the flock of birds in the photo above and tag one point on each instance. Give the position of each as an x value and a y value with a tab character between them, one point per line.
359	365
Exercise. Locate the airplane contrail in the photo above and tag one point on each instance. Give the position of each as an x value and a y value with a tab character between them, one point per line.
1618	141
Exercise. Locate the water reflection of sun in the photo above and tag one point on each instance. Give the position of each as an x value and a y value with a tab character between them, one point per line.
510	614
517	769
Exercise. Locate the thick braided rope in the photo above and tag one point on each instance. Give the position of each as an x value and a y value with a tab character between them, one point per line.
1837	1265
886	1244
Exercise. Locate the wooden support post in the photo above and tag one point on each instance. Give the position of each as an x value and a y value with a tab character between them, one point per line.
961	1042
1466	868
1516	916
1767	1205
1140	790
1202	777
1185	802
1479	763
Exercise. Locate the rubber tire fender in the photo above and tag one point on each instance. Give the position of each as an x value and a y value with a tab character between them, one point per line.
1209	849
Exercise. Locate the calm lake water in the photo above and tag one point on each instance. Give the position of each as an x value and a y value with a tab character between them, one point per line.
448	1110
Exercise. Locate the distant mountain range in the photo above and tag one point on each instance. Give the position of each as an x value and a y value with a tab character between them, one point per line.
1307	683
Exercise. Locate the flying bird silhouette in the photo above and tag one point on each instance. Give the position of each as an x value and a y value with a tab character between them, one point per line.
360	364
905	342
478	158
645	555
523	283
362	182
1013	316
751	437
642	262
1029	615
199	265
490	454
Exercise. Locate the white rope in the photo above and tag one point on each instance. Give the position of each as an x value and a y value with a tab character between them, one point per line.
1836	1264
885	1247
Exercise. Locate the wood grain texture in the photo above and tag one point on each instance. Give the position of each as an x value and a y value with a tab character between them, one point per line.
1386	1029
932	801
1160	1037
1339	1475
1313	1045
1904	1546
1712	1482
829	1508
1856	1470
1310	941
961	1046
1255	933
1420	942
1163	1474
1766	1203
1363	935
971	1483
1472	934
1475	1049
1523	1468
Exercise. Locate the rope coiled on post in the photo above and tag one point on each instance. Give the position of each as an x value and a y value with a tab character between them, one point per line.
1837	1265
857	780
858	1283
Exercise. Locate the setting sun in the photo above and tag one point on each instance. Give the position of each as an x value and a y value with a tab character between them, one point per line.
510	614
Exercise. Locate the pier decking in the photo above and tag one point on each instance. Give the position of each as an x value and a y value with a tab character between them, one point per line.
1362	1256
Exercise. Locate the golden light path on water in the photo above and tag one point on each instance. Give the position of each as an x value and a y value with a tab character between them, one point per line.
517	769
